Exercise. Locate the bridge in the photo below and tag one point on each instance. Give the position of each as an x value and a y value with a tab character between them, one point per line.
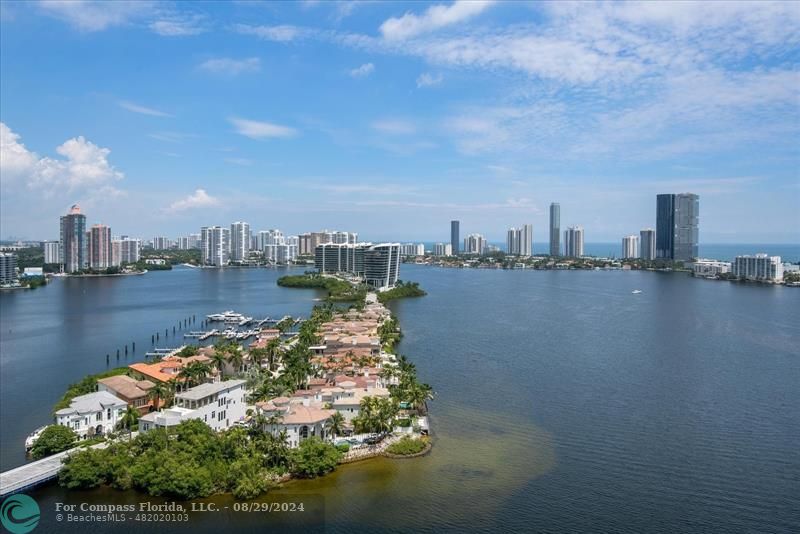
32	474
35	473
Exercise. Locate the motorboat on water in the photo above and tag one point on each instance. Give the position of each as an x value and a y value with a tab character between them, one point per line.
636	291
32	437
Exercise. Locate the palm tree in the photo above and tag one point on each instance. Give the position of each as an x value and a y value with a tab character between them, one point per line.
336	423
218	358
158	392
418	395
258	356
129	418
236	359
273	350
195	372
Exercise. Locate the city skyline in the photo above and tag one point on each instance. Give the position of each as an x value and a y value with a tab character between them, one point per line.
433	119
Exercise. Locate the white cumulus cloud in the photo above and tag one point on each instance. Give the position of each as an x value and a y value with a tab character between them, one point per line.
427	79
199	199
363	71
260	130
433	18
84	164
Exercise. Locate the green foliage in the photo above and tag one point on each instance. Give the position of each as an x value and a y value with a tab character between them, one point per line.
791	276
84	470
406	446
338	290
401	290
53	439
188	350
185	462
30	257
32	282
313	458
375	415
86	385
343	447
173	256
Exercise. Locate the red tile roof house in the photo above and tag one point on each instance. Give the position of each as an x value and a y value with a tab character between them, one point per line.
301	418
134	392
168	369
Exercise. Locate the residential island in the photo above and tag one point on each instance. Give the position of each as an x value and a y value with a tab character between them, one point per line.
303	397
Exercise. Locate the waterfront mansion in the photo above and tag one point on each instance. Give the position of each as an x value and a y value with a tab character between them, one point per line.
94	414
218	404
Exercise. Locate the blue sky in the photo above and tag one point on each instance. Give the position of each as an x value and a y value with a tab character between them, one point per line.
390	119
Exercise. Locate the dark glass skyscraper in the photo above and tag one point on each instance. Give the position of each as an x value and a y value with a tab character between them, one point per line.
454	239
555	229
73	240
677	226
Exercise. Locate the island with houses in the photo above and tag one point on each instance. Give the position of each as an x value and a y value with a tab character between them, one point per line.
303	397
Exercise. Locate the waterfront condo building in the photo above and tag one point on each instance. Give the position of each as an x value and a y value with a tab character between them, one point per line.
161	243
474	244
214	245
52	252
573	242
99	249
454	237
94	414
759	267
630	247
73	240
130	250
555	229
647	244
240	241
443	249
8	269
378	265
519	241
677	226
710	268
412	249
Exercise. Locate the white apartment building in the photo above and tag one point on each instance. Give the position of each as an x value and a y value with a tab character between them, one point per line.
94	414
215	245
161	243
573	241
519	241
630	247
240	241
130	250
412	249
710	268
51	251
474	244
759	267
443	249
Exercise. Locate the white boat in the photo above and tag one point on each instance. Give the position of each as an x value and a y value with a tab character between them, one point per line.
636	291
32	437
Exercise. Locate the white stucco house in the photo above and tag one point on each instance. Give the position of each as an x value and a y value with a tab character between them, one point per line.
94	414
219	404
165	418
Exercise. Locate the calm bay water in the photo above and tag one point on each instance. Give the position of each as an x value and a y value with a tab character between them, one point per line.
565	403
